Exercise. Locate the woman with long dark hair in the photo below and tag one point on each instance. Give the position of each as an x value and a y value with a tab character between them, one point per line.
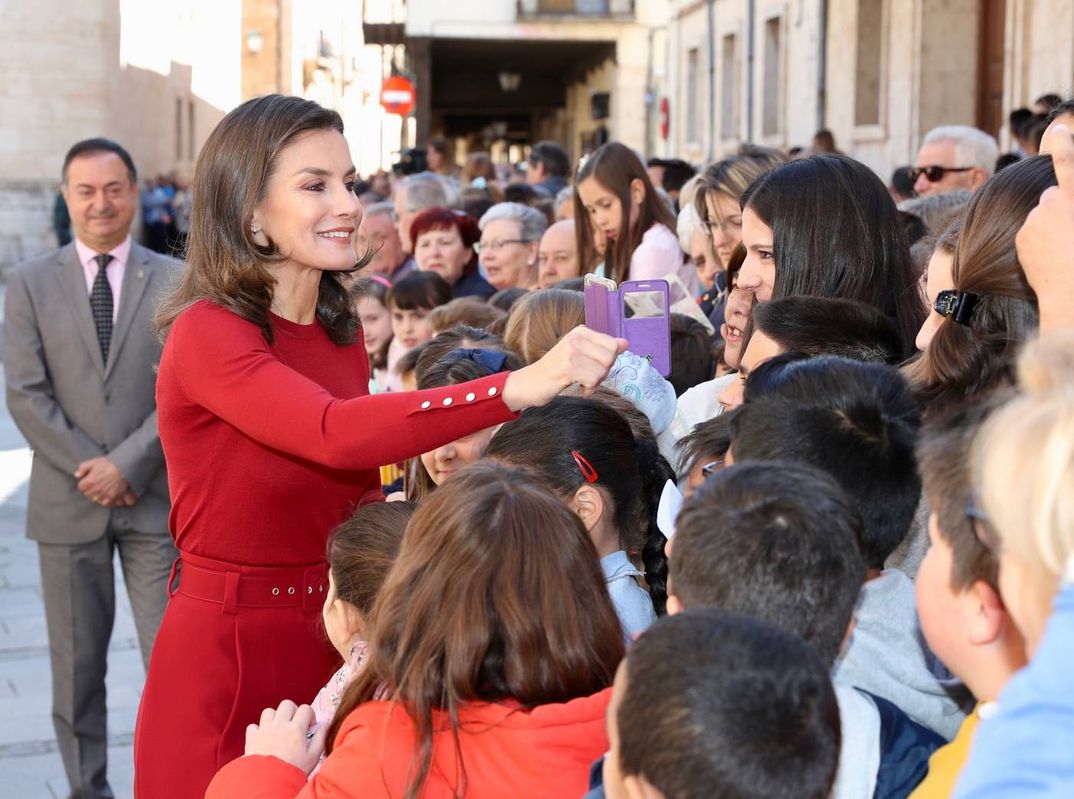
268	433
826	227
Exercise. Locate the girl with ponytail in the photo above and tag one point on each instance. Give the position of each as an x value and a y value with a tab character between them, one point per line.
584	450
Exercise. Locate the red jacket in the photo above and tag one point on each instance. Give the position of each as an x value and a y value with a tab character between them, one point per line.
506	752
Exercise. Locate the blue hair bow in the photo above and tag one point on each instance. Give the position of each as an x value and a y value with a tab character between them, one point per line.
491	361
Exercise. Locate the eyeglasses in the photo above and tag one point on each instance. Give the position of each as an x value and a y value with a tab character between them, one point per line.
498	244
711	467
934	174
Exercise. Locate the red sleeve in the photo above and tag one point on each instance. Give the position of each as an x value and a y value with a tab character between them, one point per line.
222	363
259	777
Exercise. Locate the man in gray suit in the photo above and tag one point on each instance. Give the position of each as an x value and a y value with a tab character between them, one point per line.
80	357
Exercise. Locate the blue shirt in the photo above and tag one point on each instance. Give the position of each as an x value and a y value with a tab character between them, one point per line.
1027	747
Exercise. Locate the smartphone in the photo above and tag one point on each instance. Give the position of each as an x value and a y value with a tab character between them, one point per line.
647	321
638	311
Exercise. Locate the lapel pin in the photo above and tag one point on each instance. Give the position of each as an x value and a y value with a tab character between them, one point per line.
141	274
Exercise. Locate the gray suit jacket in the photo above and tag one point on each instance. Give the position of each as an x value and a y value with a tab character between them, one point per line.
70	407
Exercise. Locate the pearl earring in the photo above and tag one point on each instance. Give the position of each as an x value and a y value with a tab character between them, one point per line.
255	229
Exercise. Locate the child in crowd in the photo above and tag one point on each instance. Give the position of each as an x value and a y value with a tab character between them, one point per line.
713	704
858	422
586	453
615	198
457	366
1023	462
470	311
782	541
360	554
814	326
410	301
371	295
491	653
962	613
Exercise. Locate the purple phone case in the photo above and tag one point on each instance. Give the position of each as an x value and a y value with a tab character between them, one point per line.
648	337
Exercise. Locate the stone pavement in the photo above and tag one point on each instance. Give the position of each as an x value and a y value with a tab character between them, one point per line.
30	766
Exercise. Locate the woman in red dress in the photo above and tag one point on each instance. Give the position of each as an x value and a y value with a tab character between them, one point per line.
269	434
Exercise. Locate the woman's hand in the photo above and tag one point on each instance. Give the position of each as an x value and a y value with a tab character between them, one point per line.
583	356
283	733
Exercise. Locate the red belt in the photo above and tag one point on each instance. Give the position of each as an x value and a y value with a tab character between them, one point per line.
266	587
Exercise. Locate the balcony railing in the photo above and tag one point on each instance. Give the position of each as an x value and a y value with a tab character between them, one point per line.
588	9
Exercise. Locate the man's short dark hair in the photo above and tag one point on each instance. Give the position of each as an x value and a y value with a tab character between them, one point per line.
1065	107
552	156
718	705
676	173
943	456
857	421
1019	121
776	540
99	145
828	326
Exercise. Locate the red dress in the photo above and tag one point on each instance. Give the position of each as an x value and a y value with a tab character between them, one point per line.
268	447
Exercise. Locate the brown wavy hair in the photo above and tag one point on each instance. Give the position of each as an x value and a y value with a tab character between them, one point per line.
223	262
497	594
541	319
964	360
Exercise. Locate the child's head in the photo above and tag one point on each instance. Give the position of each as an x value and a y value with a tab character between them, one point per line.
962	615
714	704
858	422
360	554
455	367
469	311
459	337
371	294
701	452
410	300
1023	461
780	541
496	595
615	198
585	452
540	319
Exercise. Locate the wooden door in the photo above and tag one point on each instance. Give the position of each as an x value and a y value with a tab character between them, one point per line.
990	115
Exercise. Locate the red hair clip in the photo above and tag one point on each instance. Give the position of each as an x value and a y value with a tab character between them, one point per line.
588	472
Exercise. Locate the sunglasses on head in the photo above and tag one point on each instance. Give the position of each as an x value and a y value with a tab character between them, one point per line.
934	174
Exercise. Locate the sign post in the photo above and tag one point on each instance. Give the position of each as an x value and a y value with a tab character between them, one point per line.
397	95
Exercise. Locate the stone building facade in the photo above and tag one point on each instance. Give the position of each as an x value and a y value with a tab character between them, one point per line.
155	77
878	73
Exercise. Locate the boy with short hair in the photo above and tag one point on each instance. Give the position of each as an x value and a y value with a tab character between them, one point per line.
709	704
858	422
781	541
962	613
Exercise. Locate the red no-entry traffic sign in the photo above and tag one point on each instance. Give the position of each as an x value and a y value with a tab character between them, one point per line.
397	95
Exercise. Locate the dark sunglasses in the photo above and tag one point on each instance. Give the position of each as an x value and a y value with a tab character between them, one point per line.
934	174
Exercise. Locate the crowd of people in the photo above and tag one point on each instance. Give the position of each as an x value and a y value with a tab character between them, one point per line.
437	538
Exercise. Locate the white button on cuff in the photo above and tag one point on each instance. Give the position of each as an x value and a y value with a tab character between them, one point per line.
447	401
492	391
426	405
471	397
